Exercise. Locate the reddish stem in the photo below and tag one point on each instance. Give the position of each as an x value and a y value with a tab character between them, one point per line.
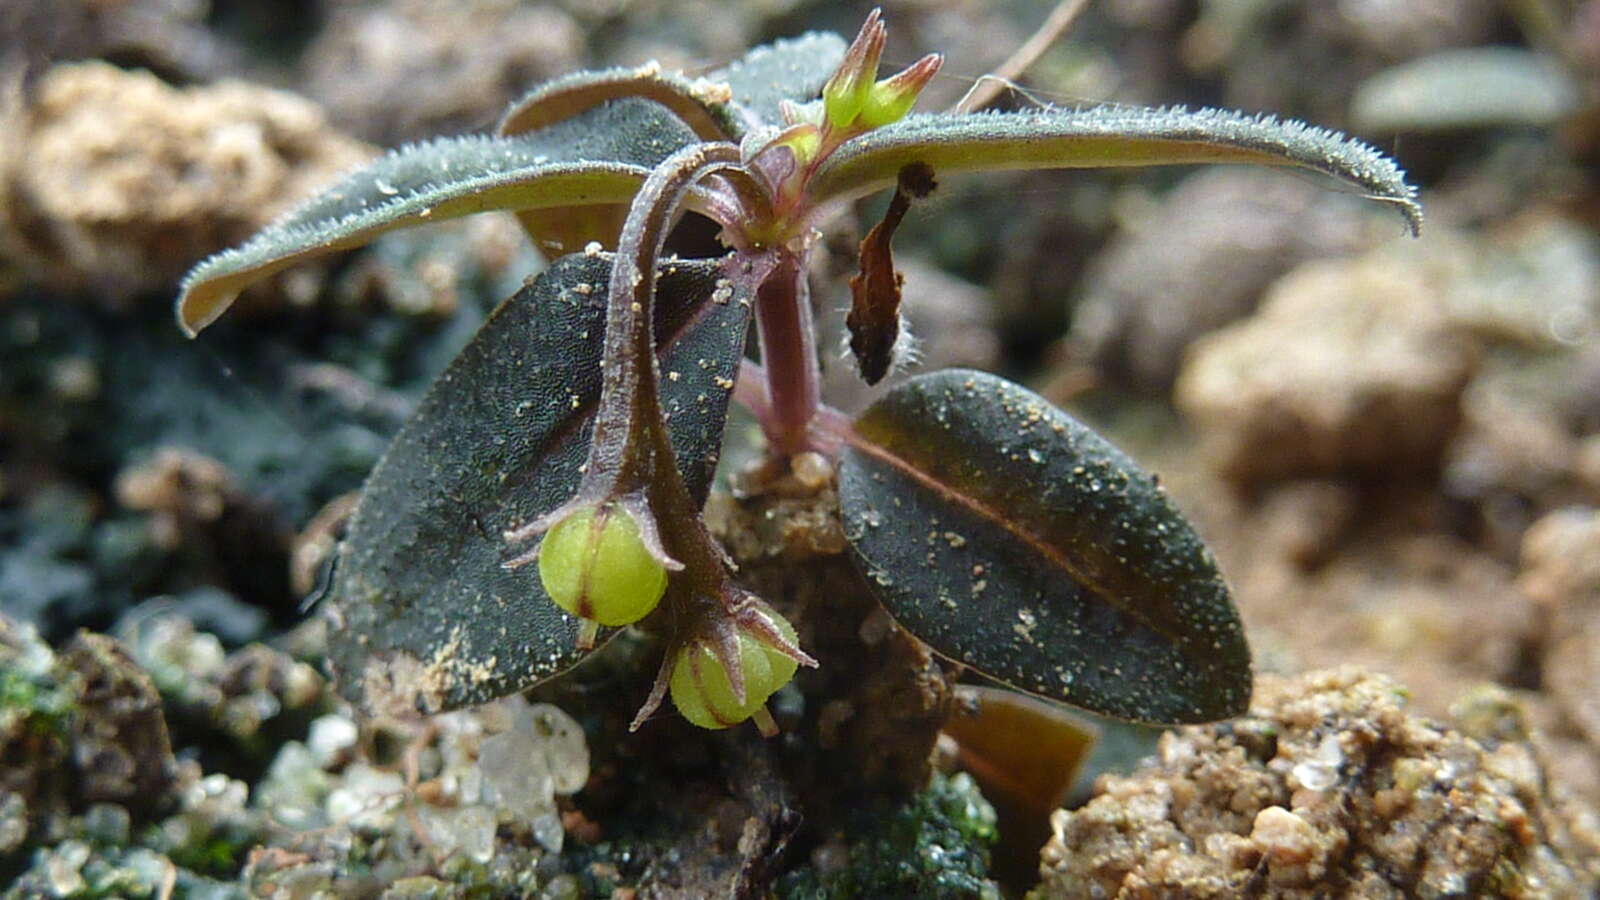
789	355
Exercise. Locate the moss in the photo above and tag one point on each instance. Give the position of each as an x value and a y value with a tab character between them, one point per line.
41	707
936	845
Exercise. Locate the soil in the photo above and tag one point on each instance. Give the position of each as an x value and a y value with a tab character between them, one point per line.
1391	446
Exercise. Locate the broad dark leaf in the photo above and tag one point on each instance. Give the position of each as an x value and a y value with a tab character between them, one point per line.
1012	538
1104	137
600	157
425	618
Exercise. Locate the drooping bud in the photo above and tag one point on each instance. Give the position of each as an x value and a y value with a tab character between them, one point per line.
706	695
595	566
846	92
890	99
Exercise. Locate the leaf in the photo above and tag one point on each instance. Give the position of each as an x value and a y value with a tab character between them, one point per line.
1010	537
1106	136
794	69
424	616
601	157
586	144
788	70
699	103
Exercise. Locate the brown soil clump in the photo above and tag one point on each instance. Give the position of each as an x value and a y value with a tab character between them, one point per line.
1329	788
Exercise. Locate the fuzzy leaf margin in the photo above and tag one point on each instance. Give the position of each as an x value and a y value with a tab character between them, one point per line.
585	140
599	158
1109	136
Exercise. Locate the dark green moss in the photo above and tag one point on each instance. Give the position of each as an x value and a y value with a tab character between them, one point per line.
936	845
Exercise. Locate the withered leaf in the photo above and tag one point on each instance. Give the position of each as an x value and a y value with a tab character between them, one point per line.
874	317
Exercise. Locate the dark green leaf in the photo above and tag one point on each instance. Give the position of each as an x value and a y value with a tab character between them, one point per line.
794	69
1106	136
425	617
600	157
1011	538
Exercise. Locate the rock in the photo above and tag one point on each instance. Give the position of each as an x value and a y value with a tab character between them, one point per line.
400	71
117	183
168	36
80	728
470	794
1350	365
120	746
1477	87
236	707
1561	572
1409	808
1329	574
1199	259
542	754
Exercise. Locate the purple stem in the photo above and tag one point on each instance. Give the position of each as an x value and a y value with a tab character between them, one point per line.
789	355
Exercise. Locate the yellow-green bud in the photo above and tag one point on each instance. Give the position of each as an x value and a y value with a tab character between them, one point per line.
890	99
594	565
846	90
703	692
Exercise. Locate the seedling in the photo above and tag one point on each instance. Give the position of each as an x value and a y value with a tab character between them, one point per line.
584	419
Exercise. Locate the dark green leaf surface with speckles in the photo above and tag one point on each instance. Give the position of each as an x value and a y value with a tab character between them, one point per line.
424	615
1012	538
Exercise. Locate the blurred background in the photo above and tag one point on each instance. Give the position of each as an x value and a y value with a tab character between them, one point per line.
1393	444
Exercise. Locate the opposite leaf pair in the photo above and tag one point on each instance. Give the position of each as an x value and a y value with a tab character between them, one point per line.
590	407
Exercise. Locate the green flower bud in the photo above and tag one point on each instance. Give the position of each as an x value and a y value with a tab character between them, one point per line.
890	99
846	91
703	692
594	565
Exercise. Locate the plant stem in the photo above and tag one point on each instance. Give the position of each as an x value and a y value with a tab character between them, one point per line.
789	355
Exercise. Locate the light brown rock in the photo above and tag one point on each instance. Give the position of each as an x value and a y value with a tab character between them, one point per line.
1328	789
1348	365
115	183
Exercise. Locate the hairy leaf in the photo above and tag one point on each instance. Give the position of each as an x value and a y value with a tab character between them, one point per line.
787	70
601	157
700	103
1106	136
794	69
425	616
585	140
1012	538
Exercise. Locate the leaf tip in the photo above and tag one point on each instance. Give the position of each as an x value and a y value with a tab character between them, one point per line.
200	301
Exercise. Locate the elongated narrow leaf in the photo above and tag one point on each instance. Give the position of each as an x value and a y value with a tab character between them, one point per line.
1012	538
425	617
1107	136
601	157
